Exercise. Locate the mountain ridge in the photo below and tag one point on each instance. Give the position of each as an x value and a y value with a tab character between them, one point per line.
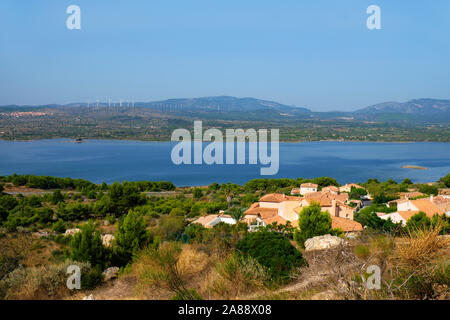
231	103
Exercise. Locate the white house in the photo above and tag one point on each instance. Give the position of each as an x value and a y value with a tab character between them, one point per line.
211	220
306	188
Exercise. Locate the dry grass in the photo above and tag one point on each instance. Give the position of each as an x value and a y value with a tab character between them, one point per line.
237	276
38	283
421	247
190	268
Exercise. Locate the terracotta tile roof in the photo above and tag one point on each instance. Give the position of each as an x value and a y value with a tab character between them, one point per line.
204	221
442	203
407	214
294	198
357	186
331	188
345	225
278	198
255	209
278	219
445	191
428	207
268	213
308	185
324	198
273	197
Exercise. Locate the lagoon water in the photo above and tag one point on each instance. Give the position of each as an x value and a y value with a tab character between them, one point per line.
109	161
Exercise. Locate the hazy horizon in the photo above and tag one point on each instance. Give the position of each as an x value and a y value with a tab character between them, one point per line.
319	55
129	101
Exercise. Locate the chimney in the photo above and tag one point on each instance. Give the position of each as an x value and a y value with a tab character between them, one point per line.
431	198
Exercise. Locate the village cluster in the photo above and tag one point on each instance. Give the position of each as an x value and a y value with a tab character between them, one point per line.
281	208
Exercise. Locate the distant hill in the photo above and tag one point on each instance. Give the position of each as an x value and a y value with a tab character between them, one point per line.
252	109
222	103
416	106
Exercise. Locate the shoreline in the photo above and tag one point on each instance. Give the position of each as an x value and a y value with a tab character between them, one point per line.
74	140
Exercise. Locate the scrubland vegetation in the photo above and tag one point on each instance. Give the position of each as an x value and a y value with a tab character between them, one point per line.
162	255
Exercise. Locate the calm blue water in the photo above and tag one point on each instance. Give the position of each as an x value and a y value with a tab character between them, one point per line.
109	161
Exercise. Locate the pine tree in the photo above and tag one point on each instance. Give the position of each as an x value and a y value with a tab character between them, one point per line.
87	246
312	223
130	237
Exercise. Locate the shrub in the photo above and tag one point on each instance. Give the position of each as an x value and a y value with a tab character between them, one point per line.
446	180
197	193
161	267
87	246
57	197
273	251
424	188
362	251
170	227
47	282
91	279
421	269
418	221
59	226
131	235
238	275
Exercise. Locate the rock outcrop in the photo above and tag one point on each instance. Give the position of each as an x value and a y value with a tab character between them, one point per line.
71	232
107	239
323	242
110	273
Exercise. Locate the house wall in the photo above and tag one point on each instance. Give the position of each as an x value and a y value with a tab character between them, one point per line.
304	191
395	217
286	210
227	220
345	212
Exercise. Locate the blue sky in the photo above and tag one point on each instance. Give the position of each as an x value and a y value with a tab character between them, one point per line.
318	54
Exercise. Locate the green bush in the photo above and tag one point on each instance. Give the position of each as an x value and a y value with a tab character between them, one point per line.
313	222
131	235
91	279
59	226
418	221
87	246
273	251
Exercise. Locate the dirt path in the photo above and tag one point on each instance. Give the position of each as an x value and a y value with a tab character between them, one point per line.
117	289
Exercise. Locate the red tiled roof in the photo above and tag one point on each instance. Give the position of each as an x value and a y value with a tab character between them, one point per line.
345	225
428	207
407	214
278	219
308	185
273	197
